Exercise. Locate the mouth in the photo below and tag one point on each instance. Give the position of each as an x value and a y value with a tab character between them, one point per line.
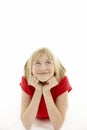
43	73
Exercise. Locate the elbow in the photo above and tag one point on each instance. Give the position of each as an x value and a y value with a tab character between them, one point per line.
62	121
59	124
25	123
21	118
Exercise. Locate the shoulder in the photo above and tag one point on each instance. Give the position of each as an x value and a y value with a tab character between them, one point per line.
63	86
64	82
26	87
23	80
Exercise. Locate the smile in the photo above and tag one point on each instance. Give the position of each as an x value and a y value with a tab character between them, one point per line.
42	73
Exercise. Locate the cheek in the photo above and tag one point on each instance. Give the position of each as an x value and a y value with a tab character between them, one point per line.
34	70
52	70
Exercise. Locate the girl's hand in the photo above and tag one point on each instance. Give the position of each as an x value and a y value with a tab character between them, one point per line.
35	83
52	82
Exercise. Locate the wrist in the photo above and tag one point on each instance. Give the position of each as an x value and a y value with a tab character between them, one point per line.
39	90
46	92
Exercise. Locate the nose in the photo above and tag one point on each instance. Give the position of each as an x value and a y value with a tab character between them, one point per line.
43	67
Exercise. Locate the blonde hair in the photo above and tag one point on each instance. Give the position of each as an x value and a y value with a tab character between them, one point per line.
59	69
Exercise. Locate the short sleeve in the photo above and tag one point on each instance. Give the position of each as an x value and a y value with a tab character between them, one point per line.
63	86
25	87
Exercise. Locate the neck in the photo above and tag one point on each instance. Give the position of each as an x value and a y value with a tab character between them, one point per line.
43	83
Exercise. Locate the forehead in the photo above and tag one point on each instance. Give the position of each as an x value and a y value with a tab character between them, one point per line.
42	55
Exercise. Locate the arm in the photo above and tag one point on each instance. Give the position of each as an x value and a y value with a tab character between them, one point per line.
29	107
56	111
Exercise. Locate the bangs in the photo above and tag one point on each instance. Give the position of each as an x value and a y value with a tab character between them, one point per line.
41	52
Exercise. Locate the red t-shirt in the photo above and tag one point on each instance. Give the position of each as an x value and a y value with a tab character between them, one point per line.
62	86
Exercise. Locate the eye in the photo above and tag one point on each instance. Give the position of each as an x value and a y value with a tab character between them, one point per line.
37	63
48	62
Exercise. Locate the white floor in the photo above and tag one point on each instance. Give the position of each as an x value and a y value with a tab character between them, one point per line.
45	125
76	118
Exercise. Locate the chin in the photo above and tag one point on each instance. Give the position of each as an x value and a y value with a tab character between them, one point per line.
43	81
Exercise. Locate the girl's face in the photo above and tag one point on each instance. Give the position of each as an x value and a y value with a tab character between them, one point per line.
43	68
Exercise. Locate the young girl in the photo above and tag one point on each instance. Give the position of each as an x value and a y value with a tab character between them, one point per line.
45	89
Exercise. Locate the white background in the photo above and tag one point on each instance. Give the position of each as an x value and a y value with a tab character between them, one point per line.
26	25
